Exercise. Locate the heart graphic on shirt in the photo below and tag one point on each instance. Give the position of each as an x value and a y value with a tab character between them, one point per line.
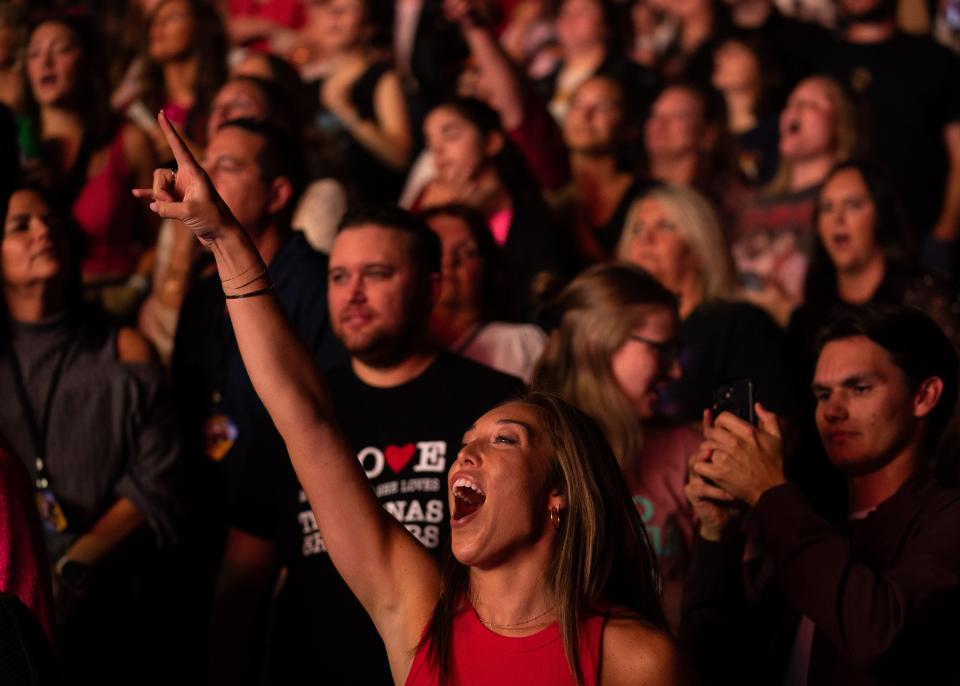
398	456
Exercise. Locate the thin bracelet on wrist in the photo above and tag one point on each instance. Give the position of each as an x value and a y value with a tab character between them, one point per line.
258	263
249	281
251	294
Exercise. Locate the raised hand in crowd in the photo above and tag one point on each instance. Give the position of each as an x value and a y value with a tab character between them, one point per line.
399	602
510	450
187	194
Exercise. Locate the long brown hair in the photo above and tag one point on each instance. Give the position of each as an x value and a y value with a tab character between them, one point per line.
90	100
602	556
595	315
210	45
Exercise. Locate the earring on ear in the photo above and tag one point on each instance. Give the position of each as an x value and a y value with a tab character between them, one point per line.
555	517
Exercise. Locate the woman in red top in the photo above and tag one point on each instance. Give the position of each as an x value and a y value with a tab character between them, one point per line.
184	57
86	155
551	573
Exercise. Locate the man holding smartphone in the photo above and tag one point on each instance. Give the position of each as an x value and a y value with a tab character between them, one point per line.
873	600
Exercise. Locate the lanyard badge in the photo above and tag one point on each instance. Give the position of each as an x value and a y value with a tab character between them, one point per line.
219	432
51	514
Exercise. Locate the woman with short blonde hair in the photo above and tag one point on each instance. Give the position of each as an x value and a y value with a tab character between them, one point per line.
697	224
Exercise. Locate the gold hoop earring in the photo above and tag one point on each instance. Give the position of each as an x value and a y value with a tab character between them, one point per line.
555	517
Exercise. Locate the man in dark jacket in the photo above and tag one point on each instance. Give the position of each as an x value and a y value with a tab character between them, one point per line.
872	601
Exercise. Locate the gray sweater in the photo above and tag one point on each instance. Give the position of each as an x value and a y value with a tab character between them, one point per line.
112	427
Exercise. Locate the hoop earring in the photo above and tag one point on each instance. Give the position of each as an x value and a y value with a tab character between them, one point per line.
555	517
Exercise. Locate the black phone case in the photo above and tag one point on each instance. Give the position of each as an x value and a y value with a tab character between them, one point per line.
736	398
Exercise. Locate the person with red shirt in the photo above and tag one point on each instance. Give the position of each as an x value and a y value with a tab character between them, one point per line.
549	554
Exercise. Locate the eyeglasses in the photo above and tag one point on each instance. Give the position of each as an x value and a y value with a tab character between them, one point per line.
668	351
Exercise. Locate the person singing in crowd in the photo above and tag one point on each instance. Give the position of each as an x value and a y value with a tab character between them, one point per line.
544	538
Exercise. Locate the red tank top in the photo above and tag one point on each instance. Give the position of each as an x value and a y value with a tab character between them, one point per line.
482	657
105	210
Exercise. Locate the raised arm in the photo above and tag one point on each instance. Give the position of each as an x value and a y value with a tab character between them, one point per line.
390	573
508	96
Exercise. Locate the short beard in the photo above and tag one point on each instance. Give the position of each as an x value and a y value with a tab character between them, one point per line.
388	349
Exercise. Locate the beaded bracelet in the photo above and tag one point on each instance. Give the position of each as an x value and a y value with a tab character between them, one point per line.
251	294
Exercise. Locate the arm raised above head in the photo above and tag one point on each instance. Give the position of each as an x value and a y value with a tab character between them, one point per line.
390	573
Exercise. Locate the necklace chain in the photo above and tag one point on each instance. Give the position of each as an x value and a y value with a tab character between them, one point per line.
524	623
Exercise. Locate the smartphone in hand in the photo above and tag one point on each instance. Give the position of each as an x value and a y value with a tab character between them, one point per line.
736	398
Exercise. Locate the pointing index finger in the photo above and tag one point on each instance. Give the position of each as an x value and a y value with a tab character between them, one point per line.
181	152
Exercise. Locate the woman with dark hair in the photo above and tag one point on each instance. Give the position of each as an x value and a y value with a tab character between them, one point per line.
551	578
87	156
687	143
746	72
129	17
601	132
185	62
464	314
85	410
863	254
478	166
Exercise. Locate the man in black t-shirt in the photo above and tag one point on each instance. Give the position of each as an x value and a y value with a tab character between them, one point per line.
404	407
910	86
